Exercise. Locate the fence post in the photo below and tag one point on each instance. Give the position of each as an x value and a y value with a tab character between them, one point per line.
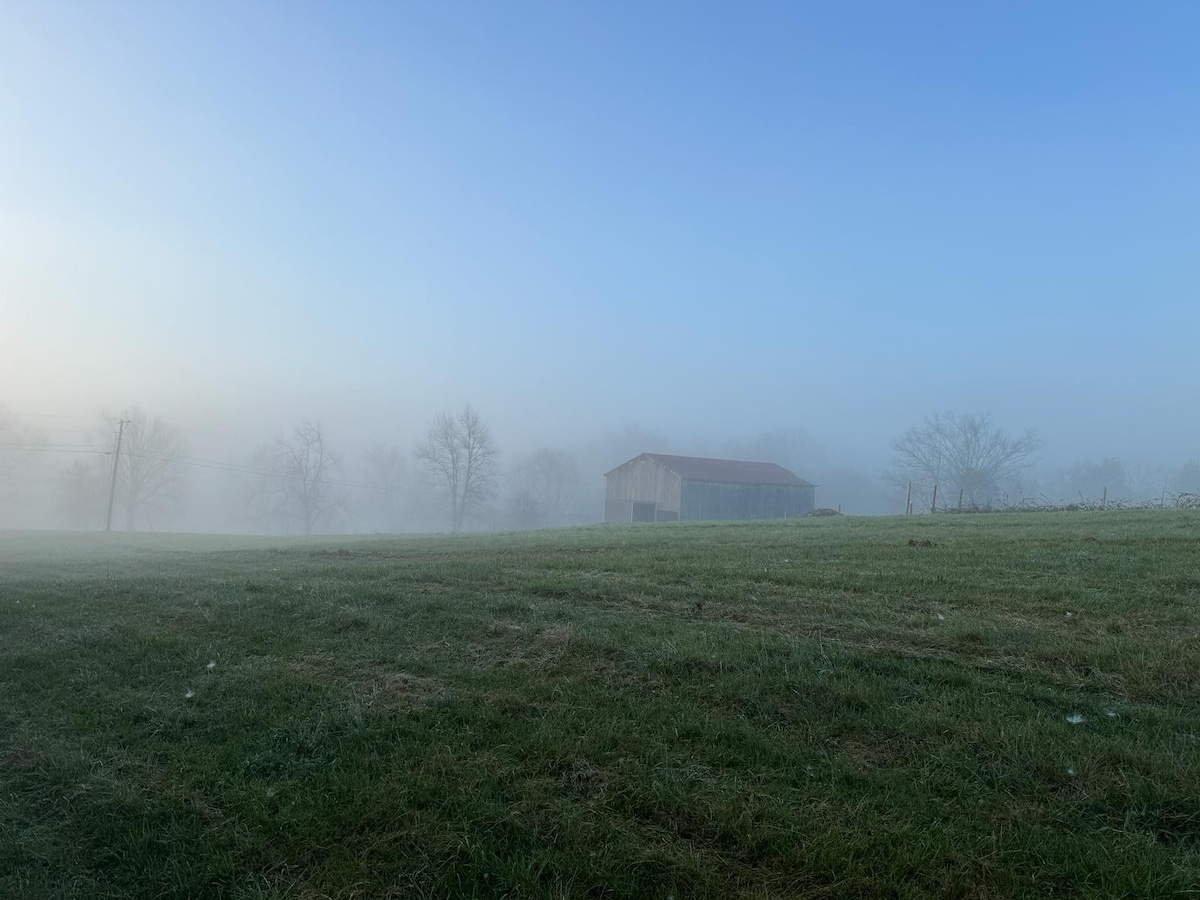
960	496
1104	498
908	501
933	505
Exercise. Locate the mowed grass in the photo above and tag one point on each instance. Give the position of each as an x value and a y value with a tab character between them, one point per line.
812	708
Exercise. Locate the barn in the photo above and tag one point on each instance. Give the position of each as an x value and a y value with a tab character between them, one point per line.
655	487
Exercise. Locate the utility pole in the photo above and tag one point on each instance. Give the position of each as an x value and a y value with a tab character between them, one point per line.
112	484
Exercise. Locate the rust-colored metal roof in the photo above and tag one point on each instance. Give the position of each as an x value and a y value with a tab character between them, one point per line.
725	471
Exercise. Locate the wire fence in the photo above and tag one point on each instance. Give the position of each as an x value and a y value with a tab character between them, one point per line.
932	499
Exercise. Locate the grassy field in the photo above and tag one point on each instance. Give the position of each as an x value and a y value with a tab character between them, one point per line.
817	708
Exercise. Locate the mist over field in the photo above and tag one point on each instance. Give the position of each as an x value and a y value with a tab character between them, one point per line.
771	233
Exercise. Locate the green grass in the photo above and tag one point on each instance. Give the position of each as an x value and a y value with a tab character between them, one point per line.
804	709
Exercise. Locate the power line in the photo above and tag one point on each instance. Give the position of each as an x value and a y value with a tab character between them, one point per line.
87	448
62	448
23	415
42	430
244	470
196	463
17	445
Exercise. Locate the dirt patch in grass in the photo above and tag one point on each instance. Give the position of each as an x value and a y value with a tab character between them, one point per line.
540	650
922	542
384	689
505	628
581	778
401	690
880	750
22	757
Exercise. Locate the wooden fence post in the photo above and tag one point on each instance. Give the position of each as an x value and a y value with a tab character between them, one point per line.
933	505
908	501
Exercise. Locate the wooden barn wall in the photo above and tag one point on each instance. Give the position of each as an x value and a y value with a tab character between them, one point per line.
711	500
644	479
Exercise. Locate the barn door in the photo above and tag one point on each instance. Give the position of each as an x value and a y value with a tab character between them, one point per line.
644	511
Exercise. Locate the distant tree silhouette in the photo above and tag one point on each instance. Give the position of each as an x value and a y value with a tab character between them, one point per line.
387	473
545	486
296	478
459	457
967	453
149	473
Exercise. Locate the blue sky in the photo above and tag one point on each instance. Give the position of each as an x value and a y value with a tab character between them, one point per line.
705	218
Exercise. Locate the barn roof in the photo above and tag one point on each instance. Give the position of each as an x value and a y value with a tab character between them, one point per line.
726	471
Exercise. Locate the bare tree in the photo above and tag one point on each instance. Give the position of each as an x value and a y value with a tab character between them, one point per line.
149	474
524	511
19	443
296	477
387	472
545	486
1187	478
459	457
967	453
82	494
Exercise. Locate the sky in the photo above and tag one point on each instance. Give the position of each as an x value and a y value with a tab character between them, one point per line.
707	219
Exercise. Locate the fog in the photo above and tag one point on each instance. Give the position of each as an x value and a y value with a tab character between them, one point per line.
787	235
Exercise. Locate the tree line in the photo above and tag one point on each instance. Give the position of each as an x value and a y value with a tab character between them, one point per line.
975	463
300	481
